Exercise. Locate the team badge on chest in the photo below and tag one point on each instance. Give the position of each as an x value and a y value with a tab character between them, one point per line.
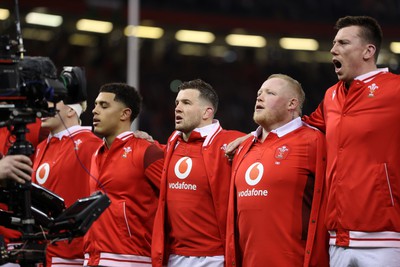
77	144
127	150
372	88
281	152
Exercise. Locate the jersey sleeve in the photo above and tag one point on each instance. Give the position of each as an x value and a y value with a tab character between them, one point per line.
153	162
317	118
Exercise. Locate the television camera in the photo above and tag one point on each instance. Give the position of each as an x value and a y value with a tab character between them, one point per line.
27	84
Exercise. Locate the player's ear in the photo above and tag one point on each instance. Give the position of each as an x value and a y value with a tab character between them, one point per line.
71	113
293	104
126	114
208	112
369	51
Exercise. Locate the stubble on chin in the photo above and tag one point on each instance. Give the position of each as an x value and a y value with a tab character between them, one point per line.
258	118
178	127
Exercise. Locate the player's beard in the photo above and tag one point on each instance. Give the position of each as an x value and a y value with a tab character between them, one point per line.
187	125
268	118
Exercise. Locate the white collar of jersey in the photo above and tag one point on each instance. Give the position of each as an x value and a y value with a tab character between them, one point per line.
284	129
209	131
68	132
124	135
366	77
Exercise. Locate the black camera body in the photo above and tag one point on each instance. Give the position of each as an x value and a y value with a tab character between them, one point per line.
27	84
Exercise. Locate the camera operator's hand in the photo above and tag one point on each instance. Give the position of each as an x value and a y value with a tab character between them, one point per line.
16	167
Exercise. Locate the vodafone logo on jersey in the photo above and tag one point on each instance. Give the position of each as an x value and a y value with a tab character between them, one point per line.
183	167
42	173
182	170
253	176
254	173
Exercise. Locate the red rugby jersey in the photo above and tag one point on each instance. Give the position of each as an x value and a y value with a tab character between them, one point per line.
217	168
191	216
363	150
62	165
277	190
129	173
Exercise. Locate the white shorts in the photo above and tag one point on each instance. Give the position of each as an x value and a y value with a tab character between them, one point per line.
364	257
184	261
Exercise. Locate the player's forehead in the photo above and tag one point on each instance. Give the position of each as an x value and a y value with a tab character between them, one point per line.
105	97
273	84
348	33
188	94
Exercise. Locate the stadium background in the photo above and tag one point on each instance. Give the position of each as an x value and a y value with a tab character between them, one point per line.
235	72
